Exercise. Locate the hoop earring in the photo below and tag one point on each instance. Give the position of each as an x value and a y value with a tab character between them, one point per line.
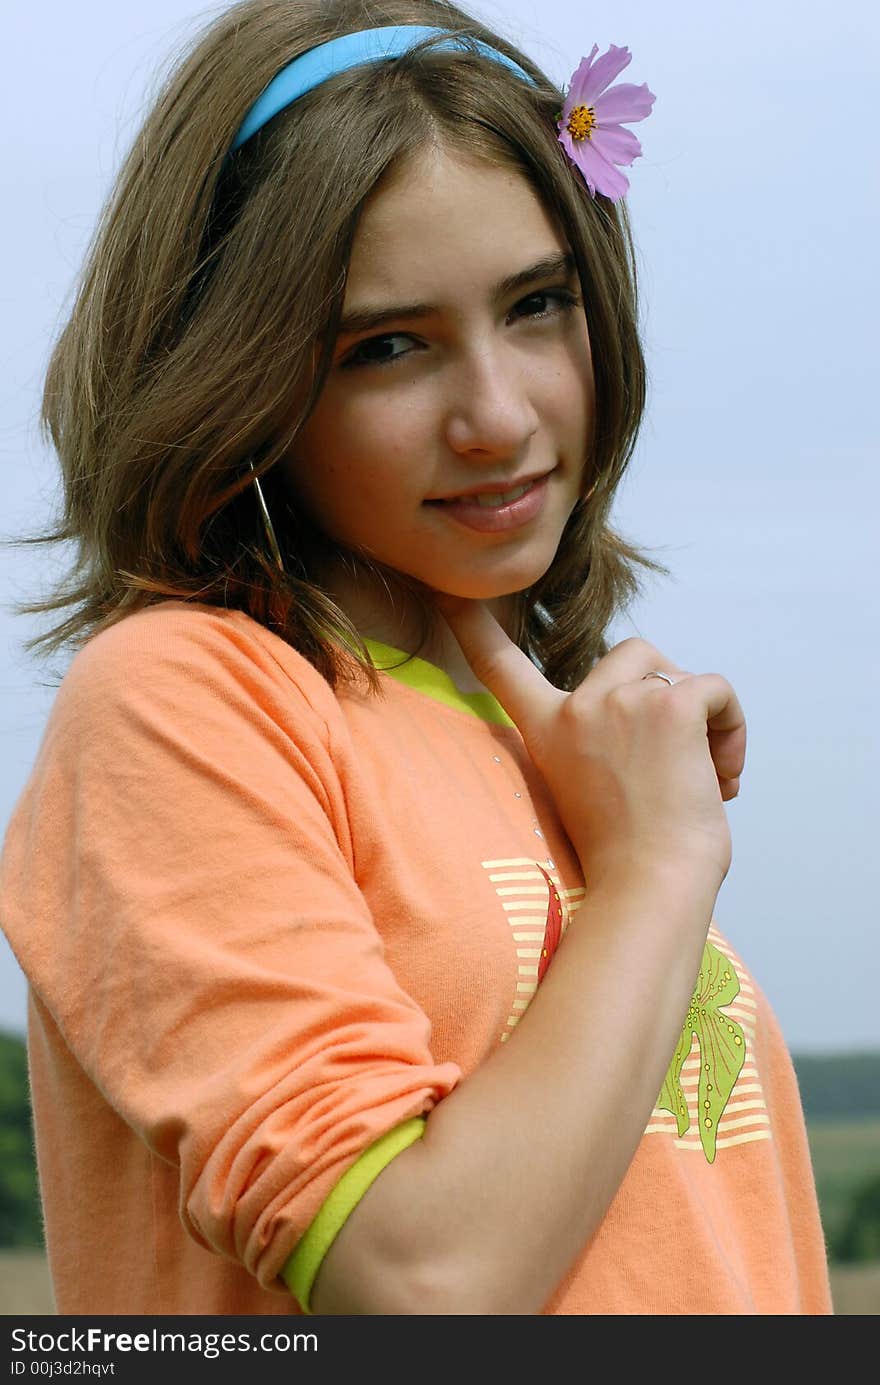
267	523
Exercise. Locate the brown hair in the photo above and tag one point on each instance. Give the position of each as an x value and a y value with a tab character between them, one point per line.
194	352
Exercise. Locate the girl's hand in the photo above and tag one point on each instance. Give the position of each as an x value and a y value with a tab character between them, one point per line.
639	770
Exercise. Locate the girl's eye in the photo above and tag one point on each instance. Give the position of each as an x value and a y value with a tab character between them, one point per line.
561	298
375	351
378	351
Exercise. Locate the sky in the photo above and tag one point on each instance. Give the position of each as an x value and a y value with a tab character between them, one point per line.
755	479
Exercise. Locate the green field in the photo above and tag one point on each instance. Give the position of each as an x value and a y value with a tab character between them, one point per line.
845	1155
855	1289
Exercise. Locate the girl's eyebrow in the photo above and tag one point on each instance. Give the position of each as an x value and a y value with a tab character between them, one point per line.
366	318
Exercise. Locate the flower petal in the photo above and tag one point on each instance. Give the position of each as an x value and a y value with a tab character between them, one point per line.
623	104
579	78
569	145
603	72
617	145
599	175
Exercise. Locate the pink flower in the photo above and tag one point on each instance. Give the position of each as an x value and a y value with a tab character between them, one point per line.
591	121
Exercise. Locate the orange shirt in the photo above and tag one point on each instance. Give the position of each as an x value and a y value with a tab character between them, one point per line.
265	925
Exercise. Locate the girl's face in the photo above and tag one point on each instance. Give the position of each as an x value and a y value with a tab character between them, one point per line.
472	376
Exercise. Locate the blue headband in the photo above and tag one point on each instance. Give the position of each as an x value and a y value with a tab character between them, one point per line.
351	50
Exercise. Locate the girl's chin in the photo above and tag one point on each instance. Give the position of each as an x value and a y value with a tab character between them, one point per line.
491	598
483	587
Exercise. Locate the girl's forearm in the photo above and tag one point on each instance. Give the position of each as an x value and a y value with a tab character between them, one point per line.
519	1164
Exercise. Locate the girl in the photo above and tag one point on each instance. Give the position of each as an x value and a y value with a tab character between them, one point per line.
364	893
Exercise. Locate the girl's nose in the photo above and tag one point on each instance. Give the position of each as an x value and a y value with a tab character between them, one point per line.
491	410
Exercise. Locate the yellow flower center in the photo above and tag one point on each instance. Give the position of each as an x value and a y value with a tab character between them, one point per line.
581	122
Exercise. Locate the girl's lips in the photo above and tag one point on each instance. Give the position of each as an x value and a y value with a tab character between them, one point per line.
492	520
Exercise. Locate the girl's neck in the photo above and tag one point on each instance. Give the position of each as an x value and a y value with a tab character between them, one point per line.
368	606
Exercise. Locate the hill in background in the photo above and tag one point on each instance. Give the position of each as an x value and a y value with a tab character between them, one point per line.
839	1085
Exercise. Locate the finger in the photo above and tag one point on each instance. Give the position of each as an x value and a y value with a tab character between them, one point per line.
725	722
729	789
721	704
499	664
727	748
728	751
629	662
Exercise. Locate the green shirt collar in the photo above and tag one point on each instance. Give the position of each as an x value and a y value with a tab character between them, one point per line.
434	682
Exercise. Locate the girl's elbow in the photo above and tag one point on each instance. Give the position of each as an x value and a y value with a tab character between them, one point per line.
423	1288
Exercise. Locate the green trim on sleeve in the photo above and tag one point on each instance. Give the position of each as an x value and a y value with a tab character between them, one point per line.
435	682
301	1269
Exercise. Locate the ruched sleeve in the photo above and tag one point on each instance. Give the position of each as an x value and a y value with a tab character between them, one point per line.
180	885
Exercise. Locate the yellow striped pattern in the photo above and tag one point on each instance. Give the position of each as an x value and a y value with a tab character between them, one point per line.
522	893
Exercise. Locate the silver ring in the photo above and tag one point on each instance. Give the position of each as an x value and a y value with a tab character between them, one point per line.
656	673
